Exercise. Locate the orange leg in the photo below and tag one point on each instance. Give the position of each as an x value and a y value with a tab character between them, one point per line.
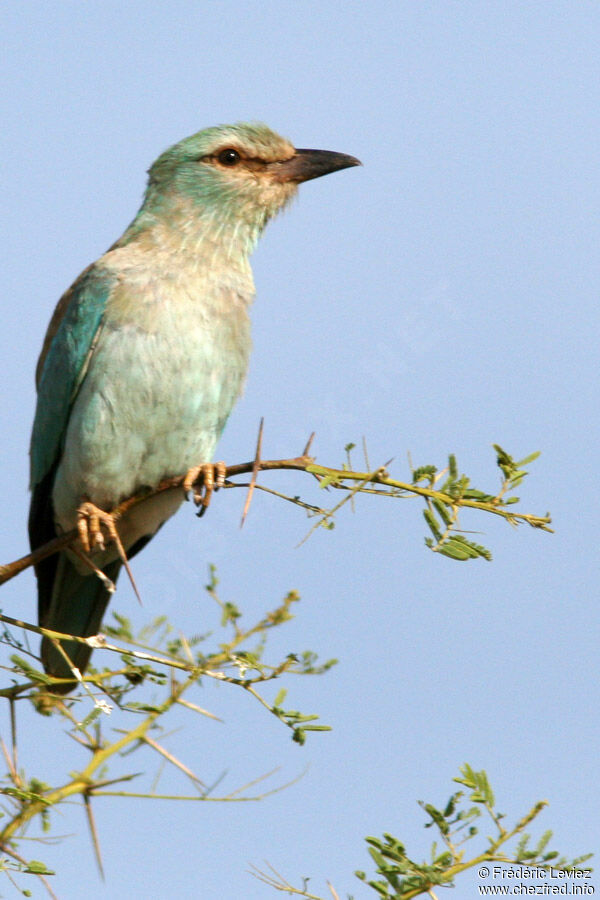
203	480
90	520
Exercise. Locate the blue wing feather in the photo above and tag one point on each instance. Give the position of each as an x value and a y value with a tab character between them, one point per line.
65	365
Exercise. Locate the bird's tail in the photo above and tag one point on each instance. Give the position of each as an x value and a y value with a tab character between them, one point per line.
77	607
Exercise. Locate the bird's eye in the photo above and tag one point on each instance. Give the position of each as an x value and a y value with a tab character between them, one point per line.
229	157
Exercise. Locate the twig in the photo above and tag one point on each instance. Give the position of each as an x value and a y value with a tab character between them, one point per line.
341	479
12	569
277	881
10	852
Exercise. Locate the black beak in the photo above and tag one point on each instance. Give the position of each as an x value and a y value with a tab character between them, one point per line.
307	164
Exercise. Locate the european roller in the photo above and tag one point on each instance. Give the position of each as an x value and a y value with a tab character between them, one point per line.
143	360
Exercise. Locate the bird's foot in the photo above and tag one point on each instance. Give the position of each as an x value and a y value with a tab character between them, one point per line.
203	480
90	521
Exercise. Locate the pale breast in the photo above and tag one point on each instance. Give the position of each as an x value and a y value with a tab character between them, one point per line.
167	369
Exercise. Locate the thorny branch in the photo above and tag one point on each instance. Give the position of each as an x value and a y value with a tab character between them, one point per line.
377	482
27	800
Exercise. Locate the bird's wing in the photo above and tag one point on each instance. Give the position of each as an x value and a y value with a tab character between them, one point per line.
68	347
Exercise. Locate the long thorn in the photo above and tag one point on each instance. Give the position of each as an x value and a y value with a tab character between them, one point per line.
93	833
306	450
125	562
365	453
13	734
255	469
9	762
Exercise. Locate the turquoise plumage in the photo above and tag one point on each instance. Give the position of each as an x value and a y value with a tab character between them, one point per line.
145	357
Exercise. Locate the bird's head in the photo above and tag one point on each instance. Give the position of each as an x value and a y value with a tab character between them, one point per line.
242	174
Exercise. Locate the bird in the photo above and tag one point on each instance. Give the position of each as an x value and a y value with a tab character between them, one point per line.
143	360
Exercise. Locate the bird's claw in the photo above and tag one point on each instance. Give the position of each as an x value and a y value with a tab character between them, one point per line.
90	521
202	481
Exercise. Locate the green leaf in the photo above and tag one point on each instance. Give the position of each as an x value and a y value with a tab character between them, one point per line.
35	867
442	511
464	544
377	857
451	804
280	697
528	459
326	480
30	671
474	550
424	473
433	523
437	818
453	551
543	843
452	468
473	494
229	613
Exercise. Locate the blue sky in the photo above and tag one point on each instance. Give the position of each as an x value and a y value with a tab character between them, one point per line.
441	298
